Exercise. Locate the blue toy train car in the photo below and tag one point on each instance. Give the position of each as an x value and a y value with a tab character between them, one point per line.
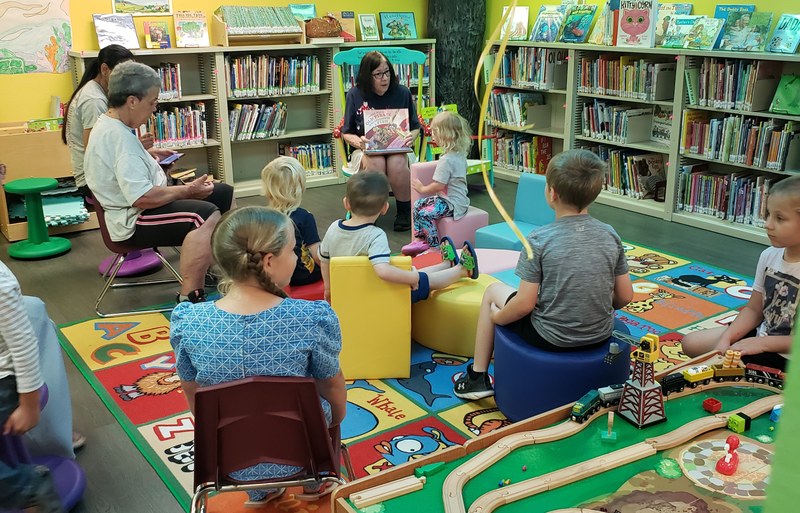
585	406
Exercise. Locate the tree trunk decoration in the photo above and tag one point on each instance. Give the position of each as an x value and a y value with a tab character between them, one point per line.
458	26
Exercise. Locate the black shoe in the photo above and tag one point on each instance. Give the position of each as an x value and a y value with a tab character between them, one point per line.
195	296
44	498
473	389
402	223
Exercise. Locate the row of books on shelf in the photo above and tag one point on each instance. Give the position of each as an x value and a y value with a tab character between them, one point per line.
249	20
317	159
250	121
649	23
537	68
736	197
616	122
260	75
765	143
178	126
627	77
191	31
510	108
740	84
407	74
170	74
522	152
632	173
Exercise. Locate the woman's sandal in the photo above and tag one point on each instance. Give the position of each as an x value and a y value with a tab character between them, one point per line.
271	496
469	260
325	489
448	250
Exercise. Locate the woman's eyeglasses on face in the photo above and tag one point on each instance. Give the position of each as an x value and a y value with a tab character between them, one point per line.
381	74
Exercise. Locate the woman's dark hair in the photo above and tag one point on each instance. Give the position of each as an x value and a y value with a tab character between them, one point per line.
369	63
111	55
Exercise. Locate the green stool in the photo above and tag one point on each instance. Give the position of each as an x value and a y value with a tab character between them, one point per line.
39	243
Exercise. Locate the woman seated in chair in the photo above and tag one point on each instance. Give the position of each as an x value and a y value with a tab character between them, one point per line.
255	330
377	88
140	209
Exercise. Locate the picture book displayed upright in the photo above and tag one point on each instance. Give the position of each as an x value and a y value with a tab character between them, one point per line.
548	23
786	35
666	12
576	24
517	24
398	25
637	23
722	12
603	29
386	131
347	19
368	24
746	32
191	29
680	25
156	34
703	34
115	29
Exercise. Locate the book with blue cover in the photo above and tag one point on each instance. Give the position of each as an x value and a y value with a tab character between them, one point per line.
786	35
577	23
722	12
548	23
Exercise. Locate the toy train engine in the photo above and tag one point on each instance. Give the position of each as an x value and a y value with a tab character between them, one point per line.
672	383
698	374
762	374
610	395
585	406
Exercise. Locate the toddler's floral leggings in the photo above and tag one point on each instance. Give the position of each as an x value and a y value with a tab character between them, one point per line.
426	212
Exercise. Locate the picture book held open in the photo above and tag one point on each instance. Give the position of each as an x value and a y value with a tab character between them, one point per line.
386	131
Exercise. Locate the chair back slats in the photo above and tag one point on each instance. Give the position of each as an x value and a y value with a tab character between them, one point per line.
261	420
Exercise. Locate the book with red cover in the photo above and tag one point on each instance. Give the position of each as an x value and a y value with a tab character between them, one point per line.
386	131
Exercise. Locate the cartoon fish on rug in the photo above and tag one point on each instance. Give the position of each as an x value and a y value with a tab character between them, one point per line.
418	384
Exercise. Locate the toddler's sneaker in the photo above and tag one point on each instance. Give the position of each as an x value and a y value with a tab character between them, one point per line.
472	389
195	296
44	498
415	248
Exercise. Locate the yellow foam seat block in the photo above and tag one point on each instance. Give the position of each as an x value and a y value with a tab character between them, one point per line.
447	320
375	317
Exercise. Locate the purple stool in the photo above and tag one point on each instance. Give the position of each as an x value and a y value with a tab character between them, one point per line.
137	262
68	476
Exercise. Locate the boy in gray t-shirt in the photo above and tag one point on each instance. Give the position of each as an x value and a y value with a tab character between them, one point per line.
367	199
570	288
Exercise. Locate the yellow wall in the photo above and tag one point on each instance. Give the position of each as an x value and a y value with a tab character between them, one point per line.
25	97
494	8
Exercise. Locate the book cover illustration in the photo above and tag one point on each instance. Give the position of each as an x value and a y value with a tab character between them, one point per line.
662	125
517	24
576	24
746	32
386	130
156	34
347	19
680	25
665	14
601	33
398	25
722	11
115	29
191	29
787	96
369	27
548	23
703	34
637	23
786	35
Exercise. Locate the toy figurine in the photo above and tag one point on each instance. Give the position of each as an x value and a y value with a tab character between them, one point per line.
728	464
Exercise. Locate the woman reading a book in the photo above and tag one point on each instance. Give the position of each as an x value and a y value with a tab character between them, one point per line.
377	88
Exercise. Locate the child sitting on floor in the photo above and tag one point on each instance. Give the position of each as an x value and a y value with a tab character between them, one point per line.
762	330
367	198
262	332
449	186
283	183
569	289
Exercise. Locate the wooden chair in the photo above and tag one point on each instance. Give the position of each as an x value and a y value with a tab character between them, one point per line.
352	58
121	251
262	419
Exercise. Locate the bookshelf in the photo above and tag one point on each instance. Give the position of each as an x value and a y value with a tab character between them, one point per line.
667	92
312	109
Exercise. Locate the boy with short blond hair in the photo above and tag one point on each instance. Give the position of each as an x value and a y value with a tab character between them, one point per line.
570	288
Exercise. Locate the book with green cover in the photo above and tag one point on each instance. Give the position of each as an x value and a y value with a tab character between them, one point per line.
787	96
746	32
679	27
703	34
786	35
665	14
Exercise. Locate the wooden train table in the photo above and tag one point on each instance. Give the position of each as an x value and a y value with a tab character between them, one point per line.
547	464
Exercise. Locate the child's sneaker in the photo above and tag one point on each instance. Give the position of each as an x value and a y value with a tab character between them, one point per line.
415	248
467	387
469	260
195	296
44	498
448	251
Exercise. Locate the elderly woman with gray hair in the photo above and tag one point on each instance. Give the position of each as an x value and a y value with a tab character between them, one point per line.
140	208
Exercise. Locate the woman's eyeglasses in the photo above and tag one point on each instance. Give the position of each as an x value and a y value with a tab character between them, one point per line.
381	74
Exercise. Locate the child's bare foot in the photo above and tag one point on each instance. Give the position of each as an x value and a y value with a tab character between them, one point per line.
469	260
448	250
